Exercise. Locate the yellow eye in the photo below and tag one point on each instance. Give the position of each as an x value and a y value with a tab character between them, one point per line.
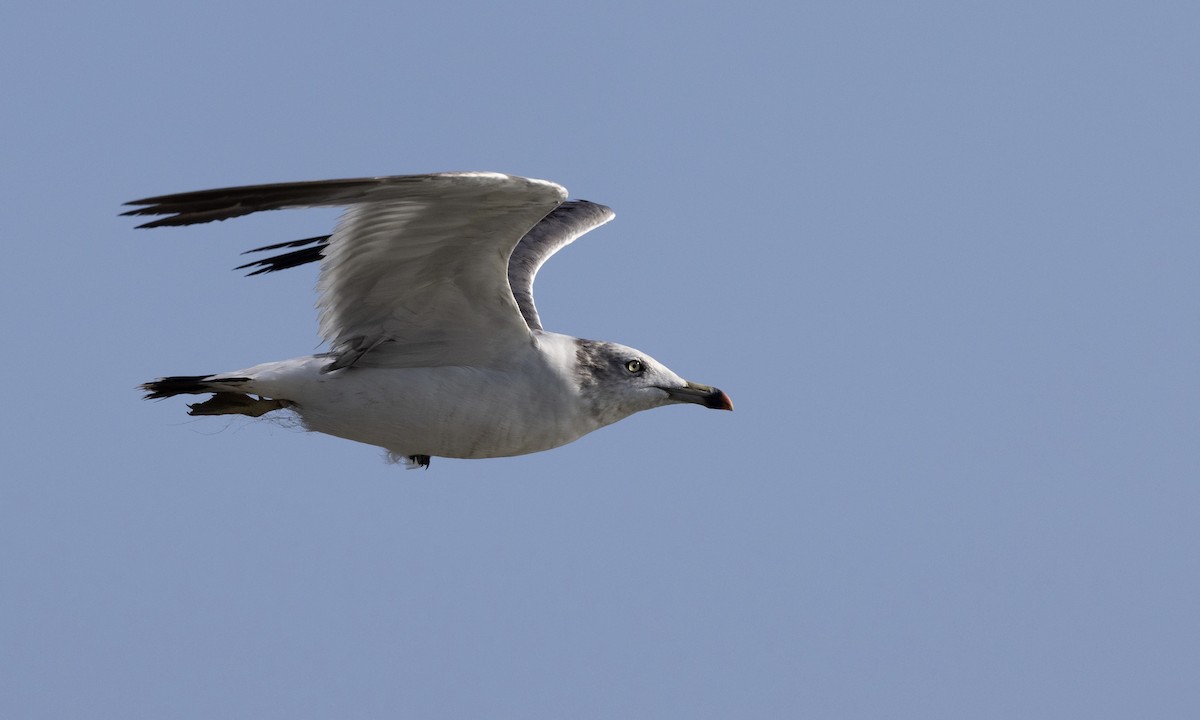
635	366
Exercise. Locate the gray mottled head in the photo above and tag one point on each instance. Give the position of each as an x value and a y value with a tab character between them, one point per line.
618	381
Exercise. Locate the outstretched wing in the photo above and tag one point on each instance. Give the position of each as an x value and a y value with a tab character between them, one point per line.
557	230
416	272
562	226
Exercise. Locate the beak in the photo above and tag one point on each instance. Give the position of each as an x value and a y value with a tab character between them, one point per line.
709	397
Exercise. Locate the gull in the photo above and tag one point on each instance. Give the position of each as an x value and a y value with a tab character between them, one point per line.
425	299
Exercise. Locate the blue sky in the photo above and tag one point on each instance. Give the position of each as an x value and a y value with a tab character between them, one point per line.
942	256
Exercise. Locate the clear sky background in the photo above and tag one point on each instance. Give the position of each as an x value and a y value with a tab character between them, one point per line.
943	257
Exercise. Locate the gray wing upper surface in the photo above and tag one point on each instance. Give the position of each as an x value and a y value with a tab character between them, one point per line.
416	272
555	231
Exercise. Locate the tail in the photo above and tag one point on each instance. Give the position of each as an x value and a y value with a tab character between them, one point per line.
225	400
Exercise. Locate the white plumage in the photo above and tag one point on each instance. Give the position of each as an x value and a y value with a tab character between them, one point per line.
426	301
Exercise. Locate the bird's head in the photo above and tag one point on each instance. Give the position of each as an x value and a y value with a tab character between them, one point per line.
619	381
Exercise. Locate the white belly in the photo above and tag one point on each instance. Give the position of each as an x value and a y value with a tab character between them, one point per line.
454	412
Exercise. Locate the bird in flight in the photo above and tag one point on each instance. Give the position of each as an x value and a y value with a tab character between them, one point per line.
435	347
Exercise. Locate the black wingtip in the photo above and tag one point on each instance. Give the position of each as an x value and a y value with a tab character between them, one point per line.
284	261
171	386
319	239
166	387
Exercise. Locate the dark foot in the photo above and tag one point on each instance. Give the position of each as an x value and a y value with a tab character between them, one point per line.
420	460
227	403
